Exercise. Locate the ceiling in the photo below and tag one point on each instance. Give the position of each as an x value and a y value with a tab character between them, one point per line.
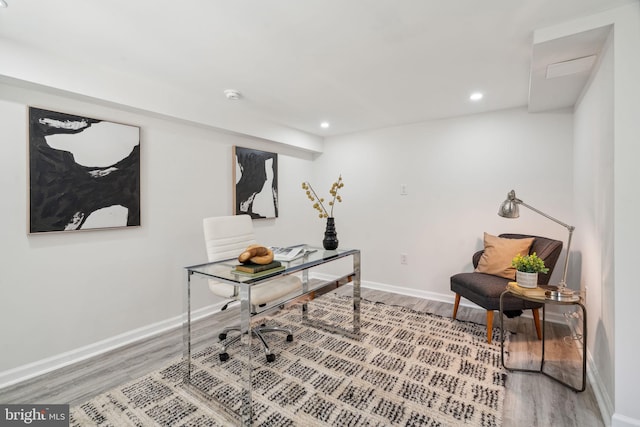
358	64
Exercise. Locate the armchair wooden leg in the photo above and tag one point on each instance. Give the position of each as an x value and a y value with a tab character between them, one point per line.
536	321
455	306
489	325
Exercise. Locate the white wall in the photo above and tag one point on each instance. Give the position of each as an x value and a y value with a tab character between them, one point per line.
593	198
76	289
626	208
457	173
617	278
63	291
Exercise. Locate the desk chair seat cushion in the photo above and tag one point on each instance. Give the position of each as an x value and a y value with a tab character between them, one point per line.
262	293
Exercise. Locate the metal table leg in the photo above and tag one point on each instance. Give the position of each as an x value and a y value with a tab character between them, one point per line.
541	369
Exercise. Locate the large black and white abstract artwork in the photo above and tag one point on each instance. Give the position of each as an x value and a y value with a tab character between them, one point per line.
256	183
83	173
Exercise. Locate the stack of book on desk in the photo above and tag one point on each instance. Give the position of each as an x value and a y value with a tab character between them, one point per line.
258	270
287	254
536	292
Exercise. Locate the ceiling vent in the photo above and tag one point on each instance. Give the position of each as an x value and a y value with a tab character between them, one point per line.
573	66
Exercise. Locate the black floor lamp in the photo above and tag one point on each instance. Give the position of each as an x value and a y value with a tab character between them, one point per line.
509	209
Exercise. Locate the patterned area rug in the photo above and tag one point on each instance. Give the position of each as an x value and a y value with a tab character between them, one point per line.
409	368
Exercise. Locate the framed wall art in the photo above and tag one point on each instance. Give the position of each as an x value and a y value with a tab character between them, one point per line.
84	173
255	175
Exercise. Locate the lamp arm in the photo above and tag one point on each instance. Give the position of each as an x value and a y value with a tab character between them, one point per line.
563	282
569	227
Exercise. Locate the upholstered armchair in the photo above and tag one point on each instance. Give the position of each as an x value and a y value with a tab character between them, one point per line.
485	289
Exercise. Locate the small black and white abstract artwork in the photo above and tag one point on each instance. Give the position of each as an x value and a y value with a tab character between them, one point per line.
255	175
84	173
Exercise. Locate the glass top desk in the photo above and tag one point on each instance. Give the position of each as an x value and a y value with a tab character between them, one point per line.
222	271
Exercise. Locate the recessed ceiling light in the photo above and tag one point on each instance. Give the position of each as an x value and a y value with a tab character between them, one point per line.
324	125
476	96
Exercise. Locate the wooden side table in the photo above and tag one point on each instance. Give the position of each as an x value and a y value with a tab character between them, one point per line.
545	301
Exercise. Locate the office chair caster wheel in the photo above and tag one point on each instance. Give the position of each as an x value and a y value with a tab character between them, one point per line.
289	338
224	356
222	337
271	357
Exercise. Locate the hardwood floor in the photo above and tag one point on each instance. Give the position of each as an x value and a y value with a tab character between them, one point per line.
531	399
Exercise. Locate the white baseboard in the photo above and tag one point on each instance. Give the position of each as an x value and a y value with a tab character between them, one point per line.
434	296
624	421
40	367
602	397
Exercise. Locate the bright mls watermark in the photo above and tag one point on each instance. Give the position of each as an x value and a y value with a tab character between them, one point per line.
34	415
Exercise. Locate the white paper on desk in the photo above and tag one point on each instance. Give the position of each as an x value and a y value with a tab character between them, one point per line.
287	254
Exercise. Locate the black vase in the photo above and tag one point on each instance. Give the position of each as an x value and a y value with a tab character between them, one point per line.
330	241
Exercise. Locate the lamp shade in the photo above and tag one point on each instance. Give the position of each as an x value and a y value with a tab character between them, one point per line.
509	208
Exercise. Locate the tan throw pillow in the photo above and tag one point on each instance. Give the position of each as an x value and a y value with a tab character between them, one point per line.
498	253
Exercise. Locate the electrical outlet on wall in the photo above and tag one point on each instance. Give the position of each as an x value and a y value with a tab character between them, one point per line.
403	259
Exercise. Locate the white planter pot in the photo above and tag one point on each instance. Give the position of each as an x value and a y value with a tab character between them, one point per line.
527	280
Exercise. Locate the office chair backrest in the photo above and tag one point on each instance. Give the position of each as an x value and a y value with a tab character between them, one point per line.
227	236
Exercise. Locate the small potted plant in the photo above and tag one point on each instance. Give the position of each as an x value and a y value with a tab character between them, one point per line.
527	269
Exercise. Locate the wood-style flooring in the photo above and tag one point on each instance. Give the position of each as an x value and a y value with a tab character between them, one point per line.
531	399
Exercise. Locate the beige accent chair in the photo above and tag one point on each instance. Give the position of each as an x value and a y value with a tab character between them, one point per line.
485	289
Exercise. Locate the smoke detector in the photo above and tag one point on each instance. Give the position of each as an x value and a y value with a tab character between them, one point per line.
232	94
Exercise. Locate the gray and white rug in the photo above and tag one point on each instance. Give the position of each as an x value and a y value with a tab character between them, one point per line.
409	369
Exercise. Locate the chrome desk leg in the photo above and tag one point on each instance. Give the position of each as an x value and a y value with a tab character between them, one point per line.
502	331
305	289
245	334
356	294
186	331
345	330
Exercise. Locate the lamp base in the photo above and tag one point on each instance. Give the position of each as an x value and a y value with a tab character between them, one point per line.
561	295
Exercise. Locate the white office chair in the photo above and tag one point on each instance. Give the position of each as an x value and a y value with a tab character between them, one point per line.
227	237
